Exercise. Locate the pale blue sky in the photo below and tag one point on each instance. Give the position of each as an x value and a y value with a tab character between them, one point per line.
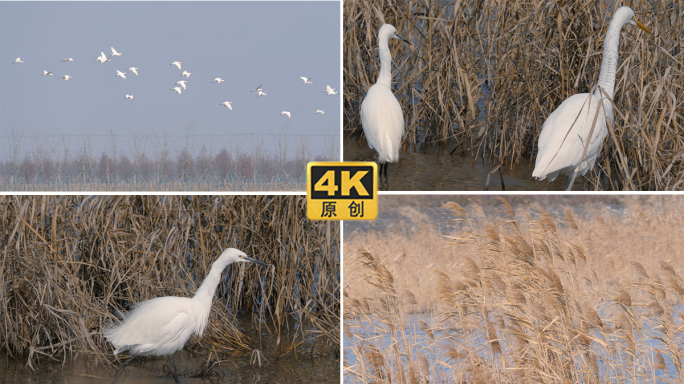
244	43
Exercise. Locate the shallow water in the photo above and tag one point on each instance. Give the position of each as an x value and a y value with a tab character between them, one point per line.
433	168
86	369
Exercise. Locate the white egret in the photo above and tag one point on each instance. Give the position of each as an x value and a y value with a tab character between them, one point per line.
122	74
18	61
177	64
65	77
286	113
218	80
129	97
177	89
134	70
227	104
307	80
261	93
186	74
69	59
381	114
47	73
322	112
161	326
182	83
103	58
566	130
330	91
257	89
115	53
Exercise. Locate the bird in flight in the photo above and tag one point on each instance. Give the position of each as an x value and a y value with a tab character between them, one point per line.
182	83
129	97
134	70
115	53
307	80
330	91
227	104
177	64
65	77
322	112
119	73
18	61
286	113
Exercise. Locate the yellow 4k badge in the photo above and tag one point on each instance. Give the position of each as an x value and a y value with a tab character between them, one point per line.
342	190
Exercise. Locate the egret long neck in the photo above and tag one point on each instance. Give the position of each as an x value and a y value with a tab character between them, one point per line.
609	62
205	295
385	76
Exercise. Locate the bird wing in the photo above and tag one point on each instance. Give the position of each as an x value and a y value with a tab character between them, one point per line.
561	154
229	106
383	122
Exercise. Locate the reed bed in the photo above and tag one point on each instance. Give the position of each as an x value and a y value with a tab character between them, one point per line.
72	264
520	297
483	76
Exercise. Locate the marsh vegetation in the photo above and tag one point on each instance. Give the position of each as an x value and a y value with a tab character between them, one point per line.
481	78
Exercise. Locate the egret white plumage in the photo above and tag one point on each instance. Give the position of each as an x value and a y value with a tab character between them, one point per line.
182	83
103	58
121	74
322	112
134	70
115	53
177	89
566	131
129	97
257	89
218	80
286	113
261	93
161	326
18	61
186	74
381	114
47	73
330	91
177	64
307	80
227	104
69	59
65	77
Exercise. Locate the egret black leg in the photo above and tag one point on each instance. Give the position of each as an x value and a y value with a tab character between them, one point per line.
122	368
173	370
383	169
568	187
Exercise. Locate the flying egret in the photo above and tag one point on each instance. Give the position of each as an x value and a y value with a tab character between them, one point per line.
177	64
65	77
330	91
257	89
119	73
186	74
322	112
218	80
46	73
286	113
566	130
177	89
182	83
307	80
103	58
115	53
18	61
134	70
69	59
129	97
161	326
381	114
261	93
227	104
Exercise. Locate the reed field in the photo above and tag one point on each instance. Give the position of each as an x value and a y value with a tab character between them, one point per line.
481	77
553	291
72	264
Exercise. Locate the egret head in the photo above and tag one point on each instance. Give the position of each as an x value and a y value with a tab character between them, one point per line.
627	15
232	255
387	31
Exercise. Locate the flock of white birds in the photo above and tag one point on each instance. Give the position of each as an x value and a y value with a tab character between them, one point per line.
182	83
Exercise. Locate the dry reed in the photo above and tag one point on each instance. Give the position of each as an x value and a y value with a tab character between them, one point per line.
487	74
521	297
71	264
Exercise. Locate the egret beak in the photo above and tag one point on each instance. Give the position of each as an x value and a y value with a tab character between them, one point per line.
641	26
247	258
400	37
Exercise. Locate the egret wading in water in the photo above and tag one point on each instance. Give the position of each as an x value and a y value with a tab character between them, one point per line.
381	114
566	131
162	326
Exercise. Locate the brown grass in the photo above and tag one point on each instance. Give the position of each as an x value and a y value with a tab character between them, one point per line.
520	295
70	264
533	55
